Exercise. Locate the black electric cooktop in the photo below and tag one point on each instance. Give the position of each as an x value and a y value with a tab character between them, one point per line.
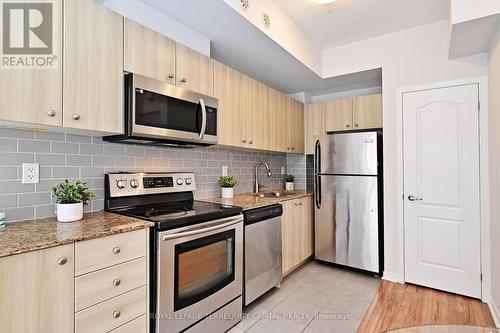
170	215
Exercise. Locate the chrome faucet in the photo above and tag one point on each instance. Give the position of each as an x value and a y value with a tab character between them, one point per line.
269	174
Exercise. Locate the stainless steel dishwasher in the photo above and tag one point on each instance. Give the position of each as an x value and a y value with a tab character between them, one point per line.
262	251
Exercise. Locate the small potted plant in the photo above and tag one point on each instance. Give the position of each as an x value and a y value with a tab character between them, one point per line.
70	197
289	182
227	183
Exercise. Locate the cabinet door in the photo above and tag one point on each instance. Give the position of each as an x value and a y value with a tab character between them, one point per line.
338	115
296	126
307	233
278	110
367	112
93	67
315	124
292	235
195	71
256	113
34	95
148	53
37	291
228	91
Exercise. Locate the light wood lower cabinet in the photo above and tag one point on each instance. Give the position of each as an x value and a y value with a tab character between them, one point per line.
297	233
37	291
93	67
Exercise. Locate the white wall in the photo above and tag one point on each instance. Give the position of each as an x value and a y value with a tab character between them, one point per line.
494	167
407	58
144	14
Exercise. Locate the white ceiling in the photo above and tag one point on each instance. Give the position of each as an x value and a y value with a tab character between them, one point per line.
238	43
346	21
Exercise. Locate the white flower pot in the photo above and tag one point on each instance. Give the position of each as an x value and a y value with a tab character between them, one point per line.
289	186
69	212
227	192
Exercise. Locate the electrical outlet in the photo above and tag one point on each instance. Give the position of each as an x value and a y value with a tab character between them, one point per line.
31	174
224	170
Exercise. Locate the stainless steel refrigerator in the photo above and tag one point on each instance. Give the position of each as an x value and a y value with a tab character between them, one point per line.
348	199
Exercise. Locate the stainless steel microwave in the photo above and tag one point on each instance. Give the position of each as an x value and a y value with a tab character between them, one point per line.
158	113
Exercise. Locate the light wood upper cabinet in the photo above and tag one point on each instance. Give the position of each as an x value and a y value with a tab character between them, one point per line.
367	111
35	95
227	89
195	71
338	115
37	291
93	67
295	123
315	124
148	53
297	233
255	98
278	110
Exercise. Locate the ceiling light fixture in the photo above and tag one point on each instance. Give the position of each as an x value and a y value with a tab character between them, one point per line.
323	2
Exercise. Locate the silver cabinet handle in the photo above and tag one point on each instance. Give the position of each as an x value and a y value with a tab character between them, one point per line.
300	203
117	282
293	148
414	198
183	80
296	204
171	76
356	125
116	314
288	148
76	116
62	260
250	142
347	125
244	140
51	113
116	250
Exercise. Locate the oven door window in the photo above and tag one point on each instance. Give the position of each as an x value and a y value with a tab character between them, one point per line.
202	267
155	110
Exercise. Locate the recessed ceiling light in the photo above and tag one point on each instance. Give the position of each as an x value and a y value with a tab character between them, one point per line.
323	1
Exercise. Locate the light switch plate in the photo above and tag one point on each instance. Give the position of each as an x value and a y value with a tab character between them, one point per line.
31	173
224	170
282	170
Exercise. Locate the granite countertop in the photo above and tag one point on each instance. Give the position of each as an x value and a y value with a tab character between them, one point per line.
31	235
250	200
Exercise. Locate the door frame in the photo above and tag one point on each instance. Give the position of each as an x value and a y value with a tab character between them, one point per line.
482	83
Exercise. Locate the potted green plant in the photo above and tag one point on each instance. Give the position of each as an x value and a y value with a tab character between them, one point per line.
289	182
70	198
227	183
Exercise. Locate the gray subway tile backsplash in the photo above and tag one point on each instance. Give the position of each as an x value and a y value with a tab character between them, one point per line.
74	157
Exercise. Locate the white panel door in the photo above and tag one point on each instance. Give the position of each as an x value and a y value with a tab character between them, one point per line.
441	186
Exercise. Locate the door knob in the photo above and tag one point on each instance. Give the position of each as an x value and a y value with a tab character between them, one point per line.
414	198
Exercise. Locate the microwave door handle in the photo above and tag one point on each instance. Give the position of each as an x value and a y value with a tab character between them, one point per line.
203	119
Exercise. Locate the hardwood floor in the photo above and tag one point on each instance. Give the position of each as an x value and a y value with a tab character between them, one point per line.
397	306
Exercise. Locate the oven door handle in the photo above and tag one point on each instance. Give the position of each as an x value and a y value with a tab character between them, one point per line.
203	119
225	222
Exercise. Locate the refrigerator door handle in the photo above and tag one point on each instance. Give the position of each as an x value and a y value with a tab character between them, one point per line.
317	157
318	192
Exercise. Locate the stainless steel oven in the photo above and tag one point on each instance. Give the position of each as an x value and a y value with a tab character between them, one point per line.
199	273
158	113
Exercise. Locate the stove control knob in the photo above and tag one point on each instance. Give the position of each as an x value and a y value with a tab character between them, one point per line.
179	181
134	183
120	183
188	181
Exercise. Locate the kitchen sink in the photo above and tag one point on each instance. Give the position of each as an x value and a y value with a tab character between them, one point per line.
274	194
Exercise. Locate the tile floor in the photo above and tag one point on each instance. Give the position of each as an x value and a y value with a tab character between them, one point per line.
315	299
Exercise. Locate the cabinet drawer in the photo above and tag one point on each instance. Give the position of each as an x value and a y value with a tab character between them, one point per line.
104	284
138	325
112	313
108	251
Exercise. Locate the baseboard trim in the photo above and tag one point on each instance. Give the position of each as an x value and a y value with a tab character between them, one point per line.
393	277
494	312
